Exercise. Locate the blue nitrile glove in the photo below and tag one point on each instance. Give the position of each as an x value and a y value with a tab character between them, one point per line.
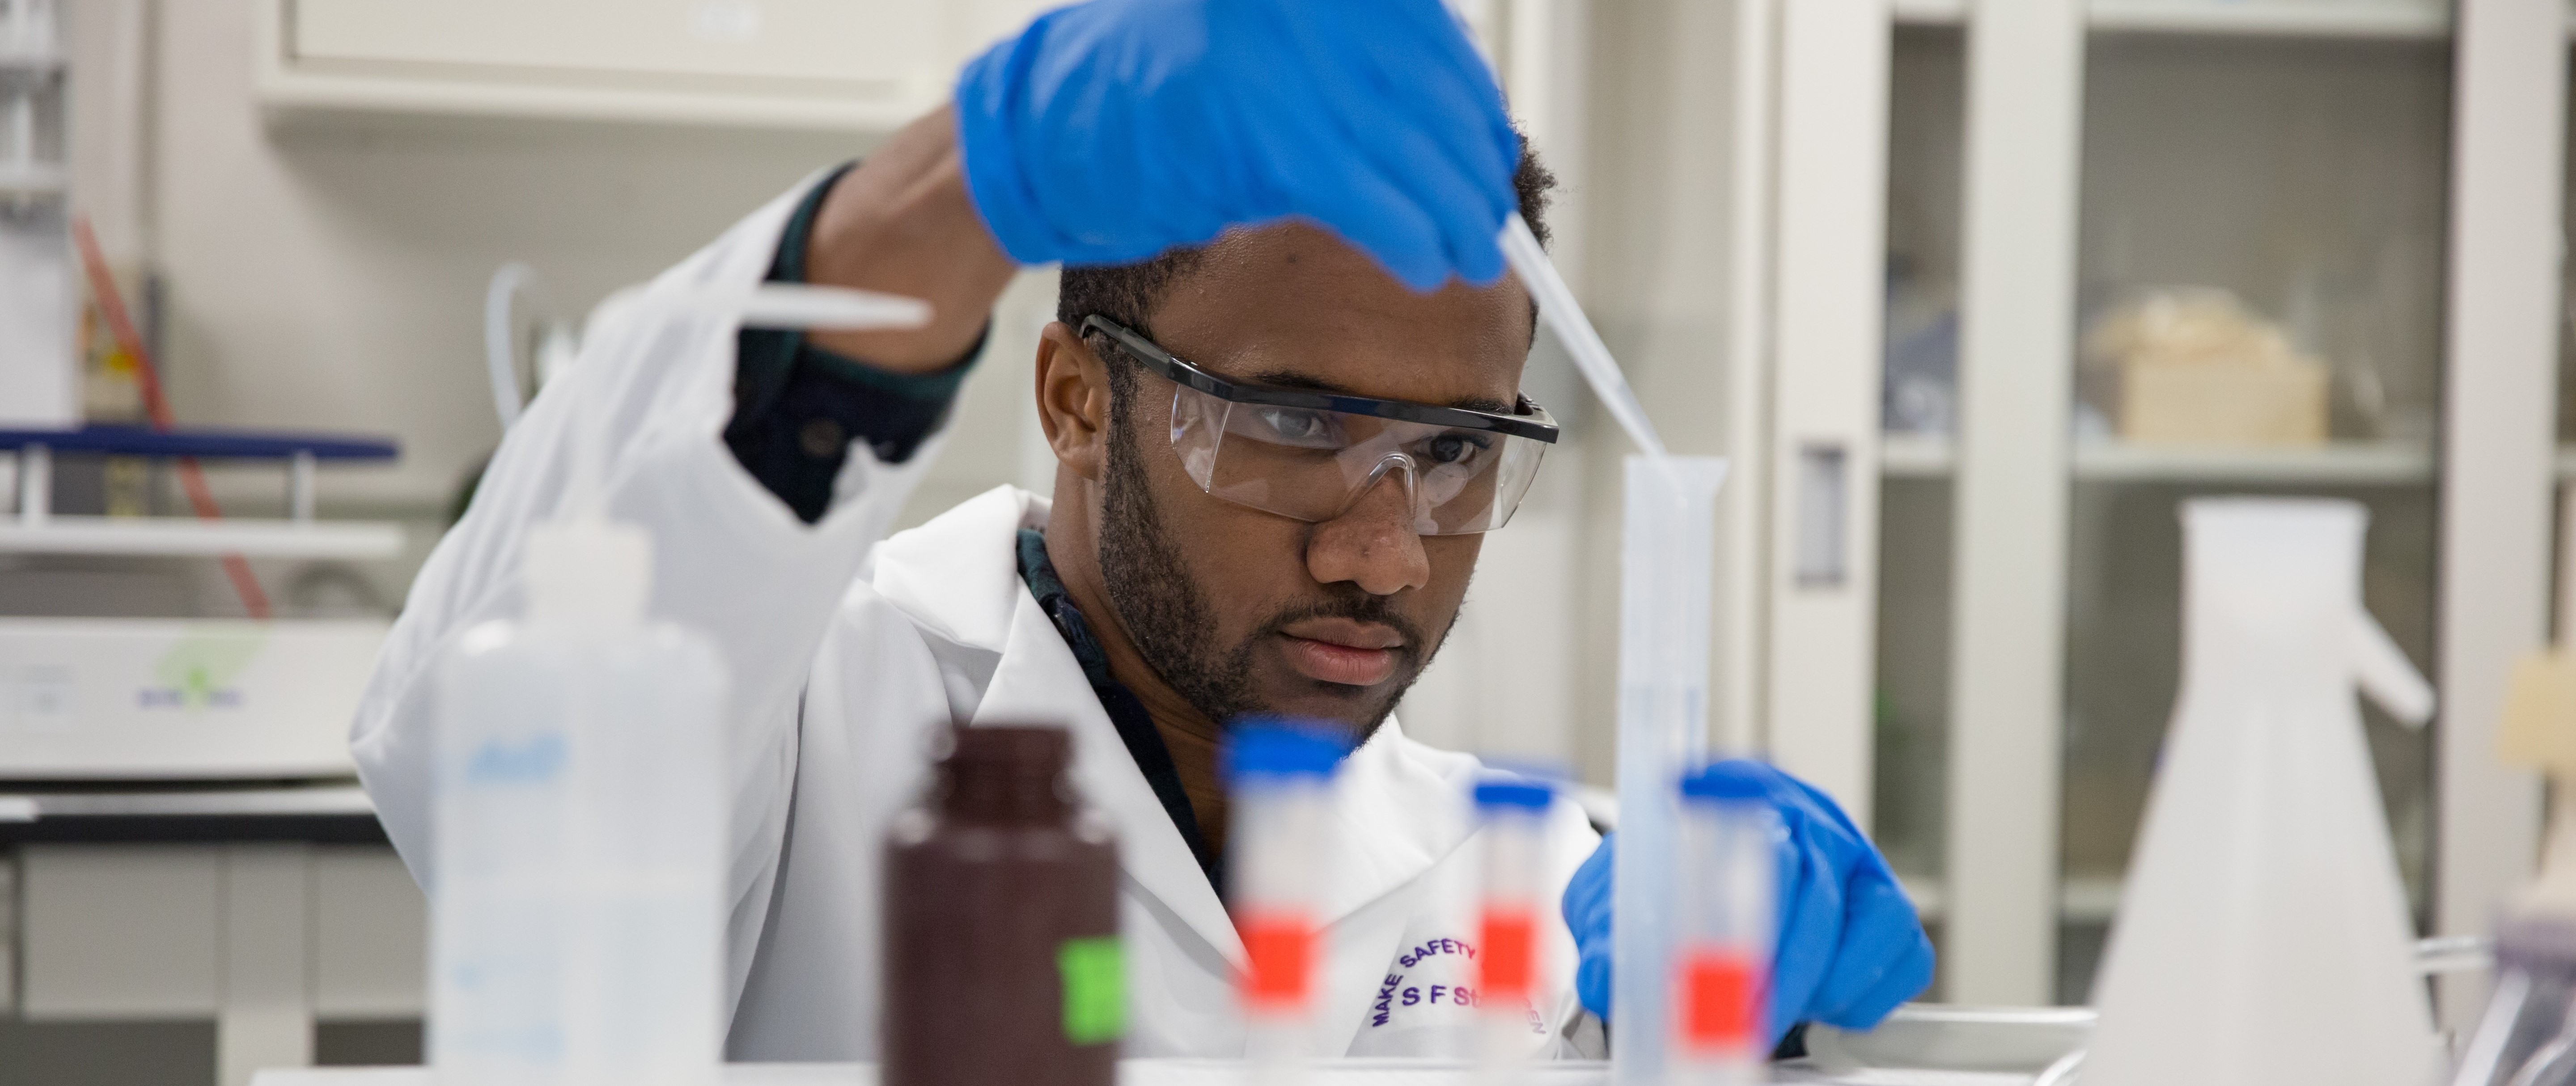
1851	947
1110	131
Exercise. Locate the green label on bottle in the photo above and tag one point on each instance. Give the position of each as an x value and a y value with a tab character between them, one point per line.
1095	989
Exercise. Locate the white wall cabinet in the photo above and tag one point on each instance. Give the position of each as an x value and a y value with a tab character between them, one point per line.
859	65
2379	183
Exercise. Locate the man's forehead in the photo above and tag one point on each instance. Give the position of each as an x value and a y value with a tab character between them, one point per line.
1295	306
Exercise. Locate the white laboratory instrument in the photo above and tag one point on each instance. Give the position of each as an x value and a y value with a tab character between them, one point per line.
157	699
1667	548
1721	971
114	696
2263	936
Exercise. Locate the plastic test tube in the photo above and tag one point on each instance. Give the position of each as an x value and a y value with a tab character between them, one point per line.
1281	776
1667	548
1722	964
1513	811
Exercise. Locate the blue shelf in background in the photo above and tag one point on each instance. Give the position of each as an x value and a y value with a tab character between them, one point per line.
202	443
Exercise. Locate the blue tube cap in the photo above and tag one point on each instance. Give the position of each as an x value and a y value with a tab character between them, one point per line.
1721	782
1522	793
1283	746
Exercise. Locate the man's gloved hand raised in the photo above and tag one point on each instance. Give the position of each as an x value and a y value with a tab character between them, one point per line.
1110	131
1850	948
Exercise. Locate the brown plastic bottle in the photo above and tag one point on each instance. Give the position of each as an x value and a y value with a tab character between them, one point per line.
1002	960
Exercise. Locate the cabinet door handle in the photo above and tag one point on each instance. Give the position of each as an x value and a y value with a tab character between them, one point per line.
1822	553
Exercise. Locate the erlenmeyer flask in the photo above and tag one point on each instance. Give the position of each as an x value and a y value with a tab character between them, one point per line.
2263	936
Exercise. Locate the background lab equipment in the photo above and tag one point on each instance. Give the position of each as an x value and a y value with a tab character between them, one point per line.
120	697
93	686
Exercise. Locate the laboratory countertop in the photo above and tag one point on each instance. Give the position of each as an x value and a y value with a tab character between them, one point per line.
1198	1073
324	812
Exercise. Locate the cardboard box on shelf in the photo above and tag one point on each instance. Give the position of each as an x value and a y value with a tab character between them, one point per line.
2279	403
2194	366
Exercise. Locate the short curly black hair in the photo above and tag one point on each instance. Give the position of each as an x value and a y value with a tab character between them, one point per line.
1128	293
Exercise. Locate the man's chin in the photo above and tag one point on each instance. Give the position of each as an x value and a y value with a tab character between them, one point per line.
1360	708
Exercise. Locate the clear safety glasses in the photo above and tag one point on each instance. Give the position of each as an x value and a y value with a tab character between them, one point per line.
1310	455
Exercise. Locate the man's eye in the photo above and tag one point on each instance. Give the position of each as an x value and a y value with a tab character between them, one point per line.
1455	447
1291	426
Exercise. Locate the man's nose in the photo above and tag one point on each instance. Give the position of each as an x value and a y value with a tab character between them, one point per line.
1372	544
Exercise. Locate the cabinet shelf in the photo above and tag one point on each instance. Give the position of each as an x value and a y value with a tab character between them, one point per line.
2274	19
36	179
2400	21
2080	898
177	536
1929	12
2342	463
42	61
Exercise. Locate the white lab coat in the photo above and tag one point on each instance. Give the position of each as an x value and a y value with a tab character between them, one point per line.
844	658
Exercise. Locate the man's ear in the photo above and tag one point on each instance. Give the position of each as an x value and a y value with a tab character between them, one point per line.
1073	400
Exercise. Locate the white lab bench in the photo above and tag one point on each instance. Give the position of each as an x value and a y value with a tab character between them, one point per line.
264	909
267	909
1198	1073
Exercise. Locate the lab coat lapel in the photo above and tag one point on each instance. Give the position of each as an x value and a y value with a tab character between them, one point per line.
1038	681
959	577
1402	808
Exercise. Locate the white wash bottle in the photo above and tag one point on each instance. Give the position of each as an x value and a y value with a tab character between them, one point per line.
578	915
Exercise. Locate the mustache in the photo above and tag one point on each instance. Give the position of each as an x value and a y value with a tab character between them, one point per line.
1358	607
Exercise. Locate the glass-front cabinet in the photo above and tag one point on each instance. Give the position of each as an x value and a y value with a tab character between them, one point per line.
1975	293
2143	251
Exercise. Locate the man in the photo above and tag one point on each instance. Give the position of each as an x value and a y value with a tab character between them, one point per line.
1283	398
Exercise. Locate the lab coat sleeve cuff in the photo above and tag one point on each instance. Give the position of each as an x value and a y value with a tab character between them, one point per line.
798	407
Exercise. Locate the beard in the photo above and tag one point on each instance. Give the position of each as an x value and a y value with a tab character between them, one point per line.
1169	620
